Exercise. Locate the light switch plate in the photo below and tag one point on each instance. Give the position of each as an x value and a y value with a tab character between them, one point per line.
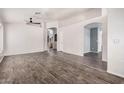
116	41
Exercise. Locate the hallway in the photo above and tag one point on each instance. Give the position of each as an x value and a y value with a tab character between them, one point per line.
52	68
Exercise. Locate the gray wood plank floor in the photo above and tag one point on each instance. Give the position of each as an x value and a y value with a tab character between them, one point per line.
52	68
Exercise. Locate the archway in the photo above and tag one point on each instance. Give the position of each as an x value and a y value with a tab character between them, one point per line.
94	42
93	38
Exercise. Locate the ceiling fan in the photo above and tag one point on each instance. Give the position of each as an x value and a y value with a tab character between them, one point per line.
30	21
36	19
33	23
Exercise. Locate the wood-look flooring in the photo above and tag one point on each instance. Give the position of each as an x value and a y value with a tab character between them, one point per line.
94	60
52	68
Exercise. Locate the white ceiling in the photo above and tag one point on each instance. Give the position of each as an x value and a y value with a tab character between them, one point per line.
22	14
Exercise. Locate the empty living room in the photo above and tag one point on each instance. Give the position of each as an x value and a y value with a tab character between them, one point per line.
61	46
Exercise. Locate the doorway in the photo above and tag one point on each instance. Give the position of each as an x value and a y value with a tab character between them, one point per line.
52	39
93	45
95	42
93	38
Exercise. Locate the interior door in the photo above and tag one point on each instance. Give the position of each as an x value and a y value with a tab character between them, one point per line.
94	39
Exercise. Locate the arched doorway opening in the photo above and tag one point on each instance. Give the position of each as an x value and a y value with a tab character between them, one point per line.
93	44
93	38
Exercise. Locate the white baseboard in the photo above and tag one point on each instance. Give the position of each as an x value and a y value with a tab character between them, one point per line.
78	54
87	52
24	52
1	58
116	74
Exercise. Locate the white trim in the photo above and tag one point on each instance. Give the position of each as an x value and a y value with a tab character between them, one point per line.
116	74
77	54
1	58
24	52
51	25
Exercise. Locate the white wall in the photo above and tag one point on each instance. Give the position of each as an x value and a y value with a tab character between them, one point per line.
99	39
86	40
1	39
22	38
52	24
116	41
104	39
73	39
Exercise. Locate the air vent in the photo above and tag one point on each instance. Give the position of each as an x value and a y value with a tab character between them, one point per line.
37	13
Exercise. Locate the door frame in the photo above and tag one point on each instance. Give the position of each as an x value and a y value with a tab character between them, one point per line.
57	38
88	28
